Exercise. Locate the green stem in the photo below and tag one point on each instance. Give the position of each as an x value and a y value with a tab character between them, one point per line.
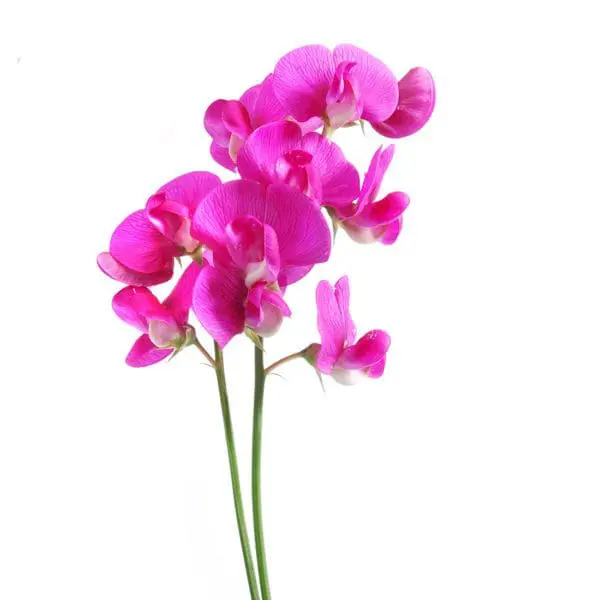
259	392
285	359
235	475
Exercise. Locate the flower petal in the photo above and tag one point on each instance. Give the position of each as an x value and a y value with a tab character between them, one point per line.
218	302
342	295
368	351
237	119
332	327
179	301
378	89
267	108
416	101
144	353
382	212
114	269
301	80
221	156
136	305
392	231
189	189
214	125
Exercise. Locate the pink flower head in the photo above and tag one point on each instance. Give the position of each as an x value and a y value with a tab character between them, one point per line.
230	122
371	220
339	87
261	239
164	325
338	354
143	247
279	153
416	100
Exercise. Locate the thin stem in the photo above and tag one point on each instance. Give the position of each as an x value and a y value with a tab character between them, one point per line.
259	392
285	359
204	352
235	475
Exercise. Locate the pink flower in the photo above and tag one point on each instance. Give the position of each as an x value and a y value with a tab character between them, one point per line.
143	247
260	239
339	87
164	325
338	355
369	220
416	100
279	153
230	122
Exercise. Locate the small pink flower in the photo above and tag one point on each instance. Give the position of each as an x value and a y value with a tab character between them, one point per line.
260	240
279	153
143	247
340	86
338	355
164	325
371	220
416	100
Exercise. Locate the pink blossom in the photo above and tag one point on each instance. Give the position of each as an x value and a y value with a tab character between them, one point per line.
338	354
371	220
143	247
279	153
416	100
339	87
163	325
260	240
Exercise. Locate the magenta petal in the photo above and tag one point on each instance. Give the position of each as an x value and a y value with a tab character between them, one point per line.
265	310
258	158
377	168
144	353
221	156
189	189
378	89
136	305
214	125
368	351
301	81
342	296
376	371
218	302
179	301
332	327
416	101
267	108
114	269
237	119
139	246
392	231
383	211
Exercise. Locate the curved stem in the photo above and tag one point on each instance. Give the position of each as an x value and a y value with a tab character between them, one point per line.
259	392
235	476
204	352
285	359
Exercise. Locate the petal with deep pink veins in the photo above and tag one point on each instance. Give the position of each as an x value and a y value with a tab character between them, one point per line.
115	270
266	108
342	296
368	351
332	326
144	353
137	305
179	301
383	211
189	189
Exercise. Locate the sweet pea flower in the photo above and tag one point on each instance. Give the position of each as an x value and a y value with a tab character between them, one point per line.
340	86
164	326
279	153
230	122
370	220
338	354
144	246
260	239
416	100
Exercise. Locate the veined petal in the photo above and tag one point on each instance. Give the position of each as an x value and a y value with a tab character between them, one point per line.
136	305
265	310
221	156
332	327
342	296
218	302
115	270
377	168
189	189
301	80
237	119
267	108
382	212
179	301
368	351
144	353
416	101
214	125
378	89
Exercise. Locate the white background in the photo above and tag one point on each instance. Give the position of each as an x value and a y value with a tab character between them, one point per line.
470	471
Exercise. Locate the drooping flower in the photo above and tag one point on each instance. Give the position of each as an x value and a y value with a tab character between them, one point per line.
143	247
371	220
260	239
164	326
338	354
230	122
279	153
416	100
340	86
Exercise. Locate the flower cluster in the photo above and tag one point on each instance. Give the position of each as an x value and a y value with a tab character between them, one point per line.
249	239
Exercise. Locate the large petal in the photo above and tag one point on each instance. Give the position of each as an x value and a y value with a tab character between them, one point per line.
368	351
332	327
179	301
301	80
144	353
218	302
265	146
378	89
137	305
214	125
384	211
267	108
189	189
416	101
301	230
139	246
114	269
